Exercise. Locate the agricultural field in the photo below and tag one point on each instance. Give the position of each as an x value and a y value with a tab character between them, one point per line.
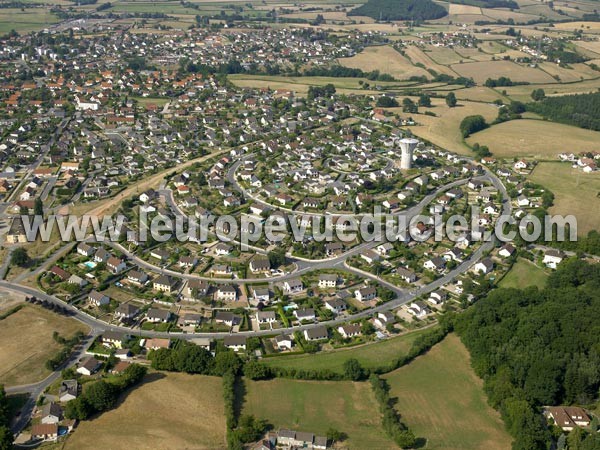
535	138
416	55
22	360
443	130
31	19
575	192
524	273
523	92
442	400
172	411
300	85
316	406
386	60
369	355
481	71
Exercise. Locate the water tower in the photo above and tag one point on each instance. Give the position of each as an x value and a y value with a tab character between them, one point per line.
407	145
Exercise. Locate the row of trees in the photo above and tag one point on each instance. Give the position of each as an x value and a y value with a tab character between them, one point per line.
391	422
190	358
537	347
66	350
102	395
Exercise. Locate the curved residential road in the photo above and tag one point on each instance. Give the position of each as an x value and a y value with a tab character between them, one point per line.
303	265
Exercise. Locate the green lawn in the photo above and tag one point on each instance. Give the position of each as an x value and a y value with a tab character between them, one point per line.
442	400
575	192
524	273
369	355
316	406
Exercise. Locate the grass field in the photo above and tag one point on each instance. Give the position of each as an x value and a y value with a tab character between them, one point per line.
443	130
535	138
416	55
27	343
575	193
175	411
524	273
370	355
441	399
386	60
32	19
300	85
523	92
481	71
316	406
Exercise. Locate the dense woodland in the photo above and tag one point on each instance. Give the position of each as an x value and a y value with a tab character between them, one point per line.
6	437
581	110
489	3
417	10
539	347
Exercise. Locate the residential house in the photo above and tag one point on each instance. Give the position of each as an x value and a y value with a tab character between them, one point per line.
89	366
195	289
266	317
126	311
155	315
336	305
350	330
418	309
307	314
284	342
163	283
293	286
506	251
484	266
226	293
98	299
235	343
68	390
568	417
44	432
115	265
316	334
51	413
328	281
383	319
85	249
227	318
137	277
114	339
260	264
552	258
365	294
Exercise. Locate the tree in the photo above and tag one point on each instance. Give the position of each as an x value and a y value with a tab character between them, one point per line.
538	94
387	102
256	371
334	435
226	361
353	370
277	257
251	429
425	100
38	207
19	257
451	100
6	438
472	124
408	106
